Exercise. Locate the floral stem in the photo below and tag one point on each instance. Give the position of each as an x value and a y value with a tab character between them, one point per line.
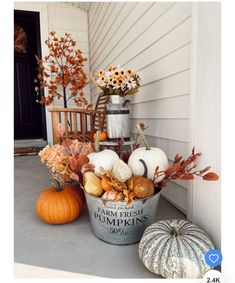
140	132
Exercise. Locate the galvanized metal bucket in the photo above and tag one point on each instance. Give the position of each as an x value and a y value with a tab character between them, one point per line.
118	223
117	118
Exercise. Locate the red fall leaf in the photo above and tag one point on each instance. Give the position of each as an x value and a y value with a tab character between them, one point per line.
211	176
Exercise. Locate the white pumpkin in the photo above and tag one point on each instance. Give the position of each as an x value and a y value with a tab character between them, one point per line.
112	195
121	171
152	157
104	159
175	249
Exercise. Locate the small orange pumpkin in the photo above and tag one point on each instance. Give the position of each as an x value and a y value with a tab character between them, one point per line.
105	184
102	136
141	186
60	205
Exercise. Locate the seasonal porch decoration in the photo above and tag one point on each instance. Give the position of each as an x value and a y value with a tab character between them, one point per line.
104	158
117	83
63	201
127	203
60	204
175	249
152	156
61	71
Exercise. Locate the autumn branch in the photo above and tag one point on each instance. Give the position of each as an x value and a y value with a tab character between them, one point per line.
184	170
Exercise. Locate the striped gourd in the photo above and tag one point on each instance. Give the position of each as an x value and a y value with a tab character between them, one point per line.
175	249
112	195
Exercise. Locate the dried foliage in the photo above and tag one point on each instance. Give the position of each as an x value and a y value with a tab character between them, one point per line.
67	162
20	39
117	185
112	181
63	67
123	153
184	170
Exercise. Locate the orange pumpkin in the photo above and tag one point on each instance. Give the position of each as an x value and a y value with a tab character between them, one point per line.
102	136
60	205
140	186
105	184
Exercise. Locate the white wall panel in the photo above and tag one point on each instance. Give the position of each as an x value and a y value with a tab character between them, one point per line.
171	86
123	28
112	28
164	23
161	48
173	129
205	129
169	108
99	19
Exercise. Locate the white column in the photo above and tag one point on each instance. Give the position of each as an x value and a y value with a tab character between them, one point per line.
204	200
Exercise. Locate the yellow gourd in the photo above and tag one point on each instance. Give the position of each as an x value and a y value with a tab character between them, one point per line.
113	195
92	184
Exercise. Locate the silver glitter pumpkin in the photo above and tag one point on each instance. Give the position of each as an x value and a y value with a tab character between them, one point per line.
175	249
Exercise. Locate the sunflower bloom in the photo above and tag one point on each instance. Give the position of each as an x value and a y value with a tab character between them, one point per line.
123	81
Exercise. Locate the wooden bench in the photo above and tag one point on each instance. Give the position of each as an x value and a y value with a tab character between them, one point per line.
80	124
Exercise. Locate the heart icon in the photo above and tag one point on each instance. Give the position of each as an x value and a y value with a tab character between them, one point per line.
213	258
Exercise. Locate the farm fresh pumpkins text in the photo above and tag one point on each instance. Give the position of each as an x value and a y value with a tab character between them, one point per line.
120	218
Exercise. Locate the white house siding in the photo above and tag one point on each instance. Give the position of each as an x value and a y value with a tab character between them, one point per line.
205	129
61	18
152	39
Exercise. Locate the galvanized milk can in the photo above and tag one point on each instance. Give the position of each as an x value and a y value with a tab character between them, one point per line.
118	223
117	118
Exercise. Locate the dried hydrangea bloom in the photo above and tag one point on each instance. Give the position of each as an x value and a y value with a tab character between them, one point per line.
68	159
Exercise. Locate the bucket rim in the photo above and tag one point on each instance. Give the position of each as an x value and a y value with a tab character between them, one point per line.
123	201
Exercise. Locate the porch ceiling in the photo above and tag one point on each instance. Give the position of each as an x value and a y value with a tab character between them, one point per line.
82	5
